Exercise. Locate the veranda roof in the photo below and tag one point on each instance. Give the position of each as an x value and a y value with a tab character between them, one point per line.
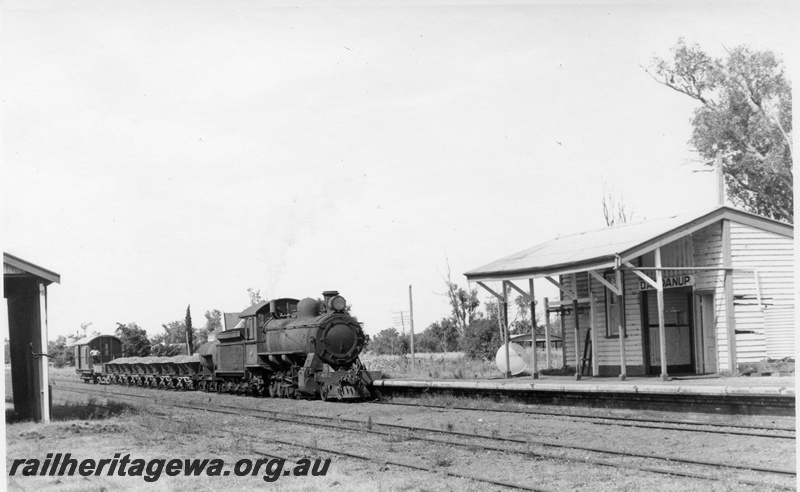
597	250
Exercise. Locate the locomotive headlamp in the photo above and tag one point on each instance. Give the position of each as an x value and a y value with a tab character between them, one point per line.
337	303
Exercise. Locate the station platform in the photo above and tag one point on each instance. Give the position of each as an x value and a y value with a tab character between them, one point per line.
772	395
766	386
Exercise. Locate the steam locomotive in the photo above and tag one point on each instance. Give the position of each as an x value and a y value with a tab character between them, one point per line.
280	348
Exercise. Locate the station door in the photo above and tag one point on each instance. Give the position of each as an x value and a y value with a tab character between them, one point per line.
678	327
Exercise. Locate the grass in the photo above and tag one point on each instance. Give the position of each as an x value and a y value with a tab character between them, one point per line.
450	365
88	410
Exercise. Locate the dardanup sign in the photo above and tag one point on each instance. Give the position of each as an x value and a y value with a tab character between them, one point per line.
670	282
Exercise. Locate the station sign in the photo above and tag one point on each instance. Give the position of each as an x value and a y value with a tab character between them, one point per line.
670	282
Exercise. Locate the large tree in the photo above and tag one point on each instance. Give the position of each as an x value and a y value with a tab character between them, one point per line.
134	340
189	330
463	304
168	343
59	353
390	341
442	336
744	119
213	323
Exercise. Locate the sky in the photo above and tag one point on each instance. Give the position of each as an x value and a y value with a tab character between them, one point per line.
161	154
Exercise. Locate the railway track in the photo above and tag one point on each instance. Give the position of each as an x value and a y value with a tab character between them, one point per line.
781	404
539	449
317	448
680	425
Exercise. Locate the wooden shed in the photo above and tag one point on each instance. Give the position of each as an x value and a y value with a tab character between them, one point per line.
25	290
695	293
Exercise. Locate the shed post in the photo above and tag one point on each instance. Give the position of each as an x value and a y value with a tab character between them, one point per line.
534	365
577	340
547	332
593	327
577	327
505	329
623	363
43	368
561	315
662	334
730	317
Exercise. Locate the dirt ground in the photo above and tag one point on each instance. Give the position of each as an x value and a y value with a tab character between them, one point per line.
181	434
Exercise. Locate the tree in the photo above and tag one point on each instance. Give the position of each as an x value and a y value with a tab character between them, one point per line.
440	336
213	320
463	304
744	119
522	321
254	294
482	339
425	343
213	323
169	343
189	331
391	342
59	353
614	208
134	340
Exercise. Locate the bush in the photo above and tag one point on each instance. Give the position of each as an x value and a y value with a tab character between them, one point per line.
63	359
481	339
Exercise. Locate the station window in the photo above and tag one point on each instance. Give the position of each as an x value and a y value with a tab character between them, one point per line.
614	309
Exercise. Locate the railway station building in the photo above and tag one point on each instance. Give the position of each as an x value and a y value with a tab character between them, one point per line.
696	293
25	291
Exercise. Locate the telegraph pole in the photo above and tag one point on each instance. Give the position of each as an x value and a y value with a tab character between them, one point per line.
411	322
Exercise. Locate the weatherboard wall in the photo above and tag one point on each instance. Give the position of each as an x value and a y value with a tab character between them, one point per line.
763	263
708	254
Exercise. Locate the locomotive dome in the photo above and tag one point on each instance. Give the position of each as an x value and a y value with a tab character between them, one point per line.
307	308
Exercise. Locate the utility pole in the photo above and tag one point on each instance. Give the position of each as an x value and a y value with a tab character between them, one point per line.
399	318
411	322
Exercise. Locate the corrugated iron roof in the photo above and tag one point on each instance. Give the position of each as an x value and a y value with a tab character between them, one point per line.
595	250
13	265
85	340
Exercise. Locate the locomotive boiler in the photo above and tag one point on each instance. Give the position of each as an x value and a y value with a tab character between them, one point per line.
280	348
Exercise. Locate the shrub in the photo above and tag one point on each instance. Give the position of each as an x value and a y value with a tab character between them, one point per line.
481	339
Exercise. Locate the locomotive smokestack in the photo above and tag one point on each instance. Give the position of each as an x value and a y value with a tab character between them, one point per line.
328	294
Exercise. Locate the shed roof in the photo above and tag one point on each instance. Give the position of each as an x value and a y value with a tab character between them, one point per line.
17	266
86	340
596	250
